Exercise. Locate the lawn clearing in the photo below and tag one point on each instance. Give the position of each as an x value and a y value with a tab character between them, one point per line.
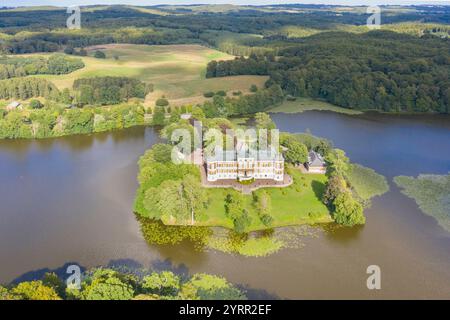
297	204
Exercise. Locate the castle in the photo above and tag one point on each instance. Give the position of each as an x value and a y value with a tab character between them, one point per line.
244	164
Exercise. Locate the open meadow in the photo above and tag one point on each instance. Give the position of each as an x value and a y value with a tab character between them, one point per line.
176	71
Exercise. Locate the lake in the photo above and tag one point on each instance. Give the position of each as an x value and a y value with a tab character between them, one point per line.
69	200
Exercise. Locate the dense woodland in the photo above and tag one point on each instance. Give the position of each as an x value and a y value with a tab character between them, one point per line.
25	88
109	90
405	69
112	284
379	70
11	67
25	31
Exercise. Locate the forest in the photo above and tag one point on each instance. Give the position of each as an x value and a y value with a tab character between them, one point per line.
109	90
11	67
111	284
380	70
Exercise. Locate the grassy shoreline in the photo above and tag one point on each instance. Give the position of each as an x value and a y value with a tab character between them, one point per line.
307	104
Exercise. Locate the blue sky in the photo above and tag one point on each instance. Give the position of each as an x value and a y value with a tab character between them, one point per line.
15	3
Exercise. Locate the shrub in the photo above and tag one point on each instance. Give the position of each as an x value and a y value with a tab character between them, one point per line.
36	104
253	88
266	220
99	54
162	102
208	94
221	93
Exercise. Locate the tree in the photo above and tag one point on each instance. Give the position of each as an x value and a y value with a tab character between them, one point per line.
86	95
264	207
263	121
179	199
165	283
195	195
296	152
338	163
348	211
106	284
242	222
65	96
235	210
162	102
5	294
35	290
253	88
159	116
99	54
36	104
209	287
335	186
162	152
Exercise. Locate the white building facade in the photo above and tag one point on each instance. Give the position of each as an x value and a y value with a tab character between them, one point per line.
244	165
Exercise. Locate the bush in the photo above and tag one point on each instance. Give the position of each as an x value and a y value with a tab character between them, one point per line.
221	93
253	88
36	104
99	55
162	102
208	94
290	98
237	93
266	220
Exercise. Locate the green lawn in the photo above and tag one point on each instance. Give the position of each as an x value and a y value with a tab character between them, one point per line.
295	205
307	104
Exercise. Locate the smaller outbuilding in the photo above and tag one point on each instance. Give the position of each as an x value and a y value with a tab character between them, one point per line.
14	106
316	163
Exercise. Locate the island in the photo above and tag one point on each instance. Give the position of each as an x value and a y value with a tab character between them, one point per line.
304	181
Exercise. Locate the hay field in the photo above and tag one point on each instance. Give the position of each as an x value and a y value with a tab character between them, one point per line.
176	71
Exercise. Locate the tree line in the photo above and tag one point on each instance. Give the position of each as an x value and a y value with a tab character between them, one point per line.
11	67
25	88
109	90
111	284
56	120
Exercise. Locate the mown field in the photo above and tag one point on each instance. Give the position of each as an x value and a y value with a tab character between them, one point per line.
176	71
297	204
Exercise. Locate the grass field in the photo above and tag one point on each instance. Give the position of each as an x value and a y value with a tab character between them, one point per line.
176	71
297	204
307	104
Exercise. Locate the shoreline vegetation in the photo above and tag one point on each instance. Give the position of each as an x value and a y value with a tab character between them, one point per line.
114	93
172	205
104	283
302	104
431	193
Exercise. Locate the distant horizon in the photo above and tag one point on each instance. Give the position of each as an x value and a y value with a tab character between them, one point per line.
66	3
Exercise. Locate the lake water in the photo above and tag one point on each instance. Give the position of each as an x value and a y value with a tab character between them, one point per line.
69	200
